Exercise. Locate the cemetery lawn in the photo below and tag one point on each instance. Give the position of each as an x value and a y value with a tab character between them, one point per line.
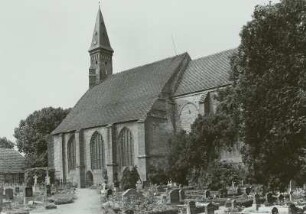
87	202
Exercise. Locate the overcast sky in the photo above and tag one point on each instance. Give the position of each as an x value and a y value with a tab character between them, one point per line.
43	43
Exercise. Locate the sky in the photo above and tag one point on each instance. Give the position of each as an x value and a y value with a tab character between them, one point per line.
44	44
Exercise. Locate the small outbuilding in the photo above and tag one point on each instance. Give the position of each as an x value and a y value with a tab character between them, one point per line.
12	166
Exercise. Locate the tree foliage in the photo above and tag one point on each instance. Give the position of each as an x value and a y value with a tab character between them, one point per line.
33	132
194	152
6	143
269	73
129	178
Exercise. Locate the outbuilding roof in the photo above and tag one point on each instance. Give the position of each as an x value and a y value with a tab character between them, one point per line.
11	161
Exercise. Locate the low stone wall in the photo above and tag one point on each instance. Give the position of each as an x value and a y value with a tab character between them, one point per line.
163	212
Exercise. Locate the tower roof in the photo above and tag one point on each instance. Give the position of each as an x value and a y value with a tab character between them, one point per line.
100	37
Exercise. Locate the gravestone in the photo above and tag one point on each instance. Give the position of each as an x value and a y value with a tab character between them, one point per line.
233	204
223	193
17	190
48	190
269	198
210	208
239	191
207	194
131	194
139	185
182	195
292	209
9	194
109	192
28	192
248	190
228	203
1	199
281	198
191	208
160	188
128	212
256	201
174	196
274	210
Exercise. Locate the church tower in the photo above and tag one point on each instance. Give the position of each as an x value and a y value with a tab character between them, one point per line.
101	53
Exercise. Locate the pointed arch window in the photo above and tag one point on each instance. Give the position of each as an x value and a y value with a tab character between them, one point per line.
71	153
97	154
125	148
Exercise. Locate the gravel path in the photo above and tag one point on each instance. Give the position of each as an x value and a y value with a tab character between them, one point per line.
88	202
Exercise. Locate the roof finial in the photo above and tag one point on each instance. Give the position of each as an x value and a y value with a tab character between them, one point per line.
99	4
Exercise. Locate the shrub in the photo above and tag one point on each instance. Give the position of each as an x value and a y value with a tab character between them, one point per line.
129	178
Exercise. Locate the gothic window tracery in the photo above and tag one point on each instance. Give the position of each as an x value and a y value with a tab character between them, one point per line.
71	154
97	155
125	148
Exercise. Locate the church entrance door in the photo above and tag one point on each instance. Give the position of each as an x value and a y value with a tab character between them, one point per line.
89	179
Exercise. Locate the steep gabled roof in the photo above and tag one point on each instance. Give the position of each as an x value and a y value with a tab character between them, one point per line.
124	96
206	73
11	161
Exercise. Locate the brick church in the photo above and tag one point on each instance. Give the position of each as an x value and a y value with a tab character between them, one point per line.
125	119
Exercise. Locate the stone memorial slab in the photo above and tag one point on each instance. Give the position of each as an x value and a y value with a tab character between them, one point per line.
233	204
182	195
207	194
131	194
28	192
281	198
248	190
191	207
9	194
269	198
174	196
17	190
48	190
1	199
210	208
274	210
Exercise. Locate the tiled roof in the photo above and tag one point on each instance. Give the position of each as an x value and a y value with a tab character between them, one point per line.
206	73
124	96
11	161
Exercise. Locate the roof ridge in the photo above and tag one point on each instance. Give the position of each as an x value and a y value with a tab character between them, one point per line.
214	54
150	63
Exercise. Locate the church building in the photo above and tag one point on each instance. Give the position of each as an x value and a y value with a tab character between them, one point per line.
125	119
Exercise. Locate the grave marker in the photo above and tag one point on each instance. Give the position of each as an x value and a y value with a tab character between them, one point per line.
1	198
274	210
248	190
48	190
281	198
191	207
9	194
28	192
17	190
210	209
174	197
182	195
207	194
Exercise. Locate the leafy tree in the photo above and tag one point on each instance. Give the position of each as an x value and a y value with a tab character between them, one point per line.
157	175
219	175
192	153
269	73
33	132
6	143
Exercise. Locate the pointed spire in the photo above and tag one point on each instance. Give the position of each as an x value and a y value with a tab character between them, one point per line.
100	37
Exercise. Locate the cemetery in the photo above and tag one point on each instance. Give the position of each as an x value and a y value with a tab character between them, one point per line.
22	198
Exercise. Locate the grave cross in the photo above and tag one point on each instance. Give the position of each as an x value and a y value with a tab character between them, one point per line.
35	179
